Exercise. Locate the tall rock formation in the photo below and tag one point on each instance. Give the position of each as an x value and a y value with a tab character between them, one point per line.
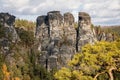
8	33
69	29
58	38
85	34
55	20
7	21
42	32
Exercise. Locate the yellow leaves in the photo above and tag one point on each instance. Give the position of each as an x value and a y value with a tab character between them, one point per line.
4	68
86	48
77	75
16	78
75	60
63	74
67	74
94	58
5	72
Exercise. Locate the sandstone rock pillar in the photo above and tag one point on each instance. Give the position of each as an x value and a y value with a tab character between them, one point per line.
85	34
7	22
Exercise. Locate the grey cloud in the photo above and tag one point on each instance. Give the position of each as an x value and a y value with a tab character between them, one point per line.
100	10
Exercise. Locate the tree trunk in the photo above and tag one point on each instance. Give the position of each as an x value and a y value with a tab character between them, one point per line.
95	78
110	73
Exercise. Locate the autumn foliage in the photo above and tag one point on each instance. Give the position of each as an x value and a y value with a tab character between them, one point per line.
6	74
100	61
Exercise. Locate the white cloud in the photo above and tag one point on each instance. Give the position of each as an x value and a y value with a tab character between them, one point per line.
15	3
115	5
101	11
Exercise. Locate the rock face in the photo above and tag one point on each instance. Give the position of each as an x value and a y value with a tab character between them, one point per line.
7	27
69	29
59	40
7	21
55	20
42	32
85	34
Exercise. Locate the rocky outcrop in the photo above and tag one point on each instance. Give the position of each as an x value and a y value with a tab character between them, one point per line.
59	40
69	29
102	34
41	27
105	37
7	21
85	34
55	20
8	32
42	32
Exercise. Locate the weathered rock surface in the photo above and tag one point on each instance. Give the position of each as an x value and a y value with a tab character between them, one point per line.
85	34
42	32
55	20
105	37
69	29
7	28
7	21
58	38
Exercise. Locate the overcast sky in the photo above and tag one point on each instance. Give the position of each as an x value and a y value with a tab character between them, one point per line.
103	12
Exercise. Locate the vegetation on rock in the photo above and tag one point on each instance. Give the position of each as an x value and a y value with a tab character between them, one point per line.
100	61
25	24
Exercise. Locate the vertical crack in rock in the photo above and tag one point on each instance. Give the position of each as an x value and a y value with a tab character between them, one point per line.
59	40
77	39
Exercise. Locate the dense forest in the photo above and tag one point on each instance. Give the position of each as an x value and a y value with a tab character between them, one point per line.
99	61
